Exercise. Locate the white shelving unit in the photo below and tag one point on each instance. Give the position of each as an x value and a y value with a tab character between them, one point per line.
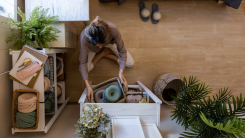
39	85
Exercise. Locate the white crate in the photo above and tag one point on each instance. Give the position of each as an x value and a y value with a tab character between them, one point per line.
148	113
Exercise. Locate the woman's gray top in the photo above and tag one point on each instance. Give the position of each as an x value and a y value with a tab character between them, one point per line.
86	45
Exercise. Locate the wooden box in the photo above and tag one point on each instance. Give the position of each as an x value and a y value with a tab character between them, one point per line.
148	113
67	37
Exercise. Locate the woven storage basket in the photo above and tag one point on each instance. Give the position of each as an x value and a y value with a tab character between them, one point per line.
166	81
16	94
113	81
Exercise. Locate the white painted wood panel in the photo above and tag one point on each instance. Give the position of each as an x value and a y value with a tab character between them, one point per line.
127	127
67	37
151	131
153	96
67	10
126	106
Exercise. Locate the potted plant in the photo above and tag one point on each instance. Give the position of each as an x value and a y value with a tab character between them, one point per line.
35	32
207	117
93	122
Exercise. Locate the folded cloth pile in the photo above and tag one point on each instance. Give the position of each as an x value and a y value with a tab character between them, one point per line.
26	115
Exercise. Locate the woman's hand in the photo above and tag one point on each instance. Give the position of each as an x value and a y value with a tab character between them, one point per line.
90	94
121	76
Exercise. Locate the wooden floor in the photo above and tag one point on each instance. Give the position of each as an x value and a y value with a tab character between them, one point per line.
199	38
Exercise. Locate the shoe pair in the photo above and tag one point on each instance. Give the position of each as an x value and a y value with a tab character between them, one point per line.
145	13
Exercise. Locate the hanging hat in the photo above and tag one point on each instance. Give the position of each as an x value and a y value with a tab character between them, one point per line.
46	84
59	90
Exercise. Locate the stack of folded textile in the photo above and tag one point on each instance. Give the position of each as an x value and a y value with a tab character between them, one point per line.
26	115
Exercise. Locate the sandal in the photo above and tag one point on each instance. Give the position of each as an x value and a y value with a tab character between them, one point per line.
144	12
156	15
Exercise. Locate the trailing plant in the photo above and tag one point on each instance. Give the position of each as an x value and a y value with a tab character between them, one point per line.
36	29
207	117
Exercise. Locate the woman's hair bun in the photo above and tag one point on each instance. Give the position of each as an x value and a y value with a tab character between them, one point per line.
97	33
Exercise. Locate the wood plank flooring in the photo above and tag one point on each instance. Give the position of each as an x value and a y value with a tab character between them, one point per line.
199	38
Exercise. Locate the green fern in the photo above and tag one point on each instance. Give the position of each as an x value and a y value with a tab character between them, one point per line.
234	127
37	28
193	100
189	92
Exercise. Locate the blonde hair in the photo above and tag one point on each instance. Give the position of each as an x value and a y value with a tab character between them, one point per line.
97	31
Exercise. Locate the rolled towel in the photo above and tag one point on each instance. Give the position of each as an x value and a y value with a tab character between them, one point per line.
112	94
130	99
138	98
27	102
26	120
99	96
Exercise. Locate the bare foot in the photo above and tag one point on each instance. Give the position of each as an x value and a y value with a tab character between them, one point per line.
107	51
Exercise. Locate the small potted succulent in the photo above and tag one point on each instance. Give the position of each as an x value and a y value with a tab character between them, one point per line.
36	31
93	122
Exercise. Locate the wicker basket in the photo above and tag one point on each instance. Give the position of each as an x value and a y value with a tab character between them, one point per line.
113	81
166	81
61	91
16	94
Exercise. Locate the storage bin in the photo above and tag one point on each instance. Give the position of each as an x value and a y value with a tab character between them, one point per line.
148	113
16	94
106	84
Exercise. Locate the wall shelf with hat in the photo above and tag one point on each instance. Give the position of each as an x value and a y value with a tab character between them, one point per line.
44	122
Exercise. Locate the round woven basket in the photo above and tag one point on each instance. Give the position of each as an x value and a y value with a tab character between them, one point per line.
167	82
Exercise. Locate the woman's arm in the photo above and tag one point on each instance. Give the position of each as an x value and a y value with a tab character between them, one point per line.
83	67
90	95
122	52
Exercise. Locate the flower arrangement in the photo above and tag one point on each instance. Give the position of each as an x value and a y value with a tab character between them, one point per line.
93	122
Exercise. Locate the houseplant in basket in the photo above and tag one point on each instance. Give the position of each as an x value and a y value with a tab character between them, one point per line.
36	29
207	117
93	122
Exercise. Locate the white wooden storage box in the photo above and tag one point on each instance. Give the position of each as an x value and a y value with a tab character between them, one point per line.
148	113
67	37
